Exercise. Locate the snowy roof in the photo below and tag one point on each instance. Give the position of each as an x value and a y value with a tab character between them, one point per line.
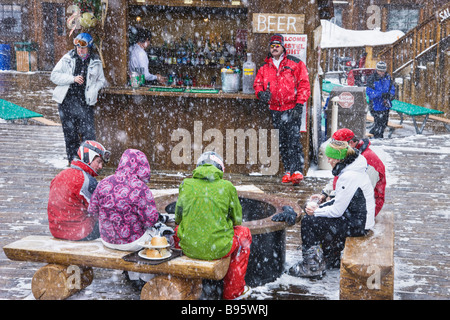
335	36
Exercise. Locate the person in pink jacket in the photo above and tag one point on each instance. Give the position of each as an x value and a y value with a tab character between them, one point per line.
124	203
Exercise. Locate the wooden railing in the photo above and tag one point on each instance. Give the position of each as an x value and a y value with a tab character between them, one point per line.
331	56
416	42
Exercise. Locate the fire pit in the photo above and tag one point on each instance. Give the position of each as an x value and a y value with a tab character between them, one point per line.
268	249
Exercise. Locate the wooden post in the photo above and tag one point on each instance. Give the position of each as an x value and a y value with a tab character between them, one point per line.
166	287
58	282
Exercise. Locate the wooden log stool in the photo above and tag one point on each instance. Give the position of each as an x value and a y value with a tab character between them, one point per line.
367	264
58	282
167	287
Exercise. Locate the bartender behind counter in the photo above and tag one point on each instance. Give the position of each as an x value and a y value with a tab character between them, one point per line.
139	57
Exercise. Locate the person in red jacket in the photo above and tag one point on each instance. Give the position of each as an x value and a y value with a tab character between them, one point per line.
71	191
283	83
376	169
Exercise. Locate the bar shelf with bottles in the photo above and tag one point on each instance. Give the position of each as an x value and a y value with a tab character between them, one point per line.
191	45
191	62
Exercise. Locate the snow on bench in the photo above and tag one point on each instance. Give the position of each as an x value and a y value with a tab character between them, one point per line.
70	264
367	264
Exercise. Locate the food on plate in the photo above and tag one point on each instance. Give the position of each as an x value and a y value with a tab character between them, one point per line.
159	241
153	253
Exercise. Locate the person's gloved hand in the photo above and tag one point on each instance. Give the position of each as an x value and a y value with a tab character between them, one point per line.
264	96
164	218
288	215
387	96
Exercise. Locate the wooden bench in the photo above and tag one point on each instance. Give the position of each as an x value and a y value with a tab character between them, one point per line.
391	126
367	264
445	121
70	264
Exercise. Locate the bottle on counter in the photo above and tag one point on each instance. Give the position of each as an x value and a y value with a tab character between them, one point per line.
248	75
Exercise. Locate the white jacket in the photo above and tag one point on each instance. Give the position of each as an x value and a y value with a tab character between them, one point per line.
351	178
139	59
62	76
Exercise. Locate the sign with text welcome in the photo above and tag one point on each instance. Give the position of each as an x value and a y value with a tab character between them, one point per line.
278	23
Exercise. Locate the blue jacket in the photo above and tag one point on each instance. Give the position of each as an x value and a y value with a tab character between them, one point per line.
376	86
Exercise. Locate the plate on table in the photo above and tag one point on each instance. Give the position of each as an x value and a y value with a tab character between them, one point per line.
144	256
147	244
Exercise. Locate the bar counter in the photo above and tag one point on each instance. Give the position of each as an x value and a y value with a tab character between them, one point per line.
174	128
146	91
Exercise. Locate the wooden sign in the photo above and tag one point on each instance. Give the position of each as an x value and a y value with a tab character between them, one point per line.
278	23
443	15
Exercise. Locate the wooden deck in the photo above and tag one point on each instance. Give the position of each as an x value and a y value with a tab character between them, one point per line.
418	194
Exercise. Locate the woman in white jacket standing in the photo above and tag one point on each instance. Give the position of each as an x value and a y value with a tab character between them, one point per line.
350	214
79	77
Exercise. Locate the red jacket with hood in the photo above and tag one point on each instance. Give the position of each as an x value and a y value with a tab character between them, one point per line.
70	193
289	84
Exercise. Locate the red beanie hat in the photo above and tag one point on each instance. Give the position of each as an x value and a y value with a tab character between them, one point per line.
277	39
343	134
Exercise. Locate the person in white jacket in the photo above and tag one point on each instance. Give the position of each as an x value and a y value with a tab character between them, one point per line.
139	58
79	77
351	213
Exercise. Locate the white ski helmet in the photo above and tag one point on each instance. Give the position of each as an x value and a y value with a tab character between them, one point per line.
212	158
89	149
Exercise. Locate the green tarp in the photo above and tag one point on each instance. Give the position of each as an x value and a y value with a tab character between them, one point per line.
11	111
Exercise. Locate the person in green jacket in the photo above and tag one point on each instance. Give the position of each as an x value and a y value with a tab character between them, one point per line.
209	218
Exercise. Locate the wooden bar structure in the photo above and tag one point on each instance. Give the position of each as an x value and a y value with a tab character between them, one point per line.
153	121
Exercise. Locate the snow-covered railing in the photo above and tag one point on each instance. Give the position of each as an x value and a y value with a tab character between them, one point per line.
429	33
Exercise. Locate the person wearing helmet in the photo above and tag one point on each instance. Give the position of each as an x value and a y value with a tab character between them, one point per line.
79	77
70	194
381	91
139	58
209	218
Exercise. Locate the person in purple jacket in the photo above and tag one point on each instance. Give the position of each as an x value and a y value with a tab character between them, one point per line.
125	205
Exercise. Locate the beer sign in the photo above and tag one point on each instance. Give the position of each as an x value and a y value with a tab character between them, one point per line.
278	23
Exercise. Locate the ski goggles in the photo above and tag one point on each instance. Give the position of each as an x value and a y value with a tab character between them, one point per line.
80	43
104	154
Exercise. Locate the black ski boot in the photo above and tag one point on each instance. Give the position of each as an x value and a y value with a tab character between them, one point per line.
312	266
